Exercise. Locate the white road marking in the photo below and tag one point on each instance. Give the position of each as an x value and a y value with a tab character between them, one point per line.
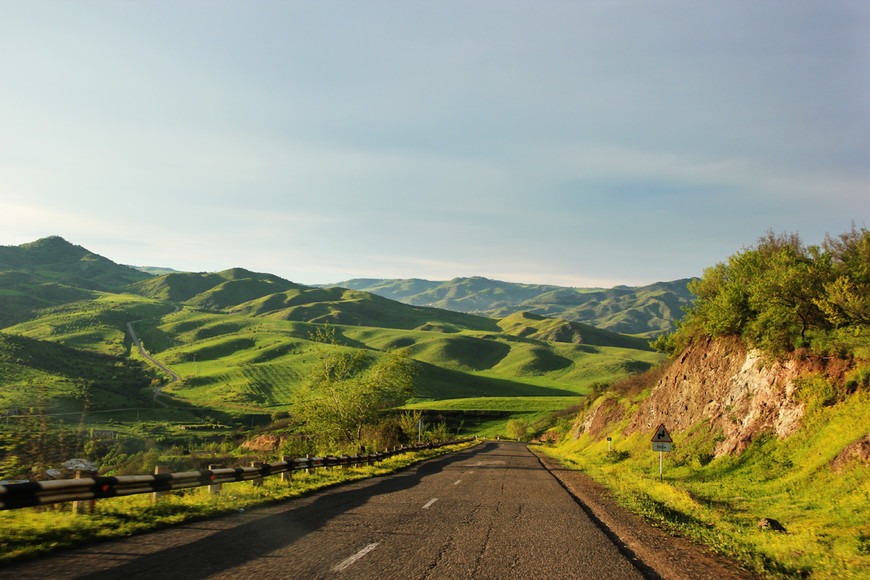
349	561
429	503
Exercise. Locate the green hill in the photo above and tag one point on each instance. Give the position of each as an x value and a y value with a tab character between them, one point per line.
644	311
57	378
53	259
241	341
51	272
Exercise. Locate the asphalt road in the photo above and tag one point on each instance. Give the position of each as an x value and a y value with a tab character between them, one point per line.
491	511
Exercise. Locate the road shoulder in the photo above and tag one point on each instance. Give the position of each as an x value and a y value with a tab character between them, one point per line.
663	555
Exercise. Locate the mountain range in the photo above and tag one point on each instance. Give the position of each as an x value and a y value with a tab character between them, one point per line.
244	338
643	311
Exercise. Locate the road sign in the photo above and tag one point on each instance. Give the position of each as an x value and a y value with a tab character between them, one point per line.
661	442
662	435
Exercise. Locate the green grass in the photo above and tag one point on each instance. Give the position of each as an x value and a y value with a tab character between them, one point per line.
242	363
98	325
720	501
506	404
32	532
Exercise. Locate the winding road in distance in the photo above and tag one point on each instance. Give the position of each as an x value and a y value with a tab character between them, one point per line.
490	511
158	391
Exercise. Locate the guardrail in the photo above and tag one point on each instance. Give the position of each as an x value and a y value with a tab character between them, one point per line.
37	493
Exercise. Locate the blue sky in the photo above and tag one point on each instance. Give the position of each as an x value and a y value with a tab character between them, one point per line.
577	143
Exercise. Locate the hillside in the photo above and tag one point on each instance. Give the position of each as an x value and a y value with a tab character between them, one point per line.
52	271
644	311
244	339
56	378
767	399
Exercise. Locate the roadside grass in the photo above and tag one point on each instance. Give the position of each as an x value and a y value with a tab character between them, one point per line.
825	513
33	532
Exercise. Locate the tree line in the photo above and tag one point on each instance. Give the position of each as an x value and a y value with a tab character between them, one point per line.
781	295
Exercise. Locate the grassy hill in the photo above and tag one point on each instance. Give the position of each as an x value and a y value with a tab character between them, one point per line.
644	311
57	378
50	272
53	259
241	340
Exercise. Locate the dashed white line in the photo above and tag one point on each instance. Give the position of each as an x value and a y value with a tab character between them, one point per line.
347	562
429	503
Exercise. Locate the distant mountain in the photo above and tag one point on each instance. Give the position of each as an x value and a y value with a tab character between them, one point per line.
54	259
155	270
245	337
52	271
643	311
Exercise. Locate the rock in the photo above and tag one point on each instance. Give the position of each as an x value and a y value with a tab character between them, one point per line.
770	524
856	452
79	465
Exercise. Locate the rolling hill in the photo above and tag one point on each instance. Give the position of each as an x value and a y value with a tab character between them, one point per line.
643	311
241	341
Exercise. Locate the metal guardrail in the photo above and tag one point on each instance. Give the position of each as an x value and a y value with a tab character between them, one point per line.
36	493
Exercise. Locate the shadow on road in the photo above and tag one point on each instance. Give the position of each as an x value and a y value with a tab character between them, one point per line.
254	539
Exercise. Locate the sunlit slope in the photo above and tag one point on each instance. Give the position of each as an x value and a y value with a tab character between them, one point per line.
259	361
49	376
527	324
644	311
99	324
242	292
50	272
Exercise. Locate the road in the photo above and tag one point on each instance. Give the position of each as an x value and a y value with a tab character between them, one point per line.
492	511
158	391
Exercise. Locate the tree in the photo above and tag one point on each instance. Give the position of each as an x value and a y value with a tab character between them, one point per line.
350	390
517	428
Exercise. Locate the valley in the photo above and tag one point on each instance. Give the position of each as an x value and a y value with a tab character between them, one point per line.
242	343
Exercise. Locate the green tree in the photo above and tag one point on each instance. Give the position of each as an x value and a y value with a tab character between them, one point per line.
780	294
518	429
350	390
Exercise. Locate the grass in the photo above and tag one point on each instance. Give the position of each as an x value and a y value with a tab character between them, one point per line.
251	360
33	532
720	501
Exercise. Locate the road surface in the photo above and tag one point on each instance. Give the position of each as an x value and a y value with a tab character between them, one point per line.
492	511
158	391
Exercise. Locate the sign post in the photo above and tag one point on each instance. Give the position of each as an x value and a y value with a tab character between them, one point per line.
661	442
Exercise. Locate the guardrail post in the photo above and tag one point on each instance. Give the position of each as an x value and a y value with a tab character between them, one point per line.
258	481
287	475
215	488
160	470
85	506
310	467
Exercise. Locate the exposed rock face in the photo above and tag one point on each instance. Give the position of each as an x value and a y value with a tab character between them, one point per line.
595	423
263	443
734	390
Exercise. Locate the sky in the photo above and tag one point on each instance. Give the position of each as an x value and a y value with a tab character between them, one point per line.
579	143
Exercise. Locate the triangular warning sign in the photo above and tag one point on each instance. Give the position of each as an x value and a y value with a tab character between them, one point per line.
662	435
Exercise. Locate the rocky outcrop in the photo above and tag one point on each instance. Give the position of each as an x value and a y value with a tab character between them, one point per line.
737	392
856	452
595	424
265	442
